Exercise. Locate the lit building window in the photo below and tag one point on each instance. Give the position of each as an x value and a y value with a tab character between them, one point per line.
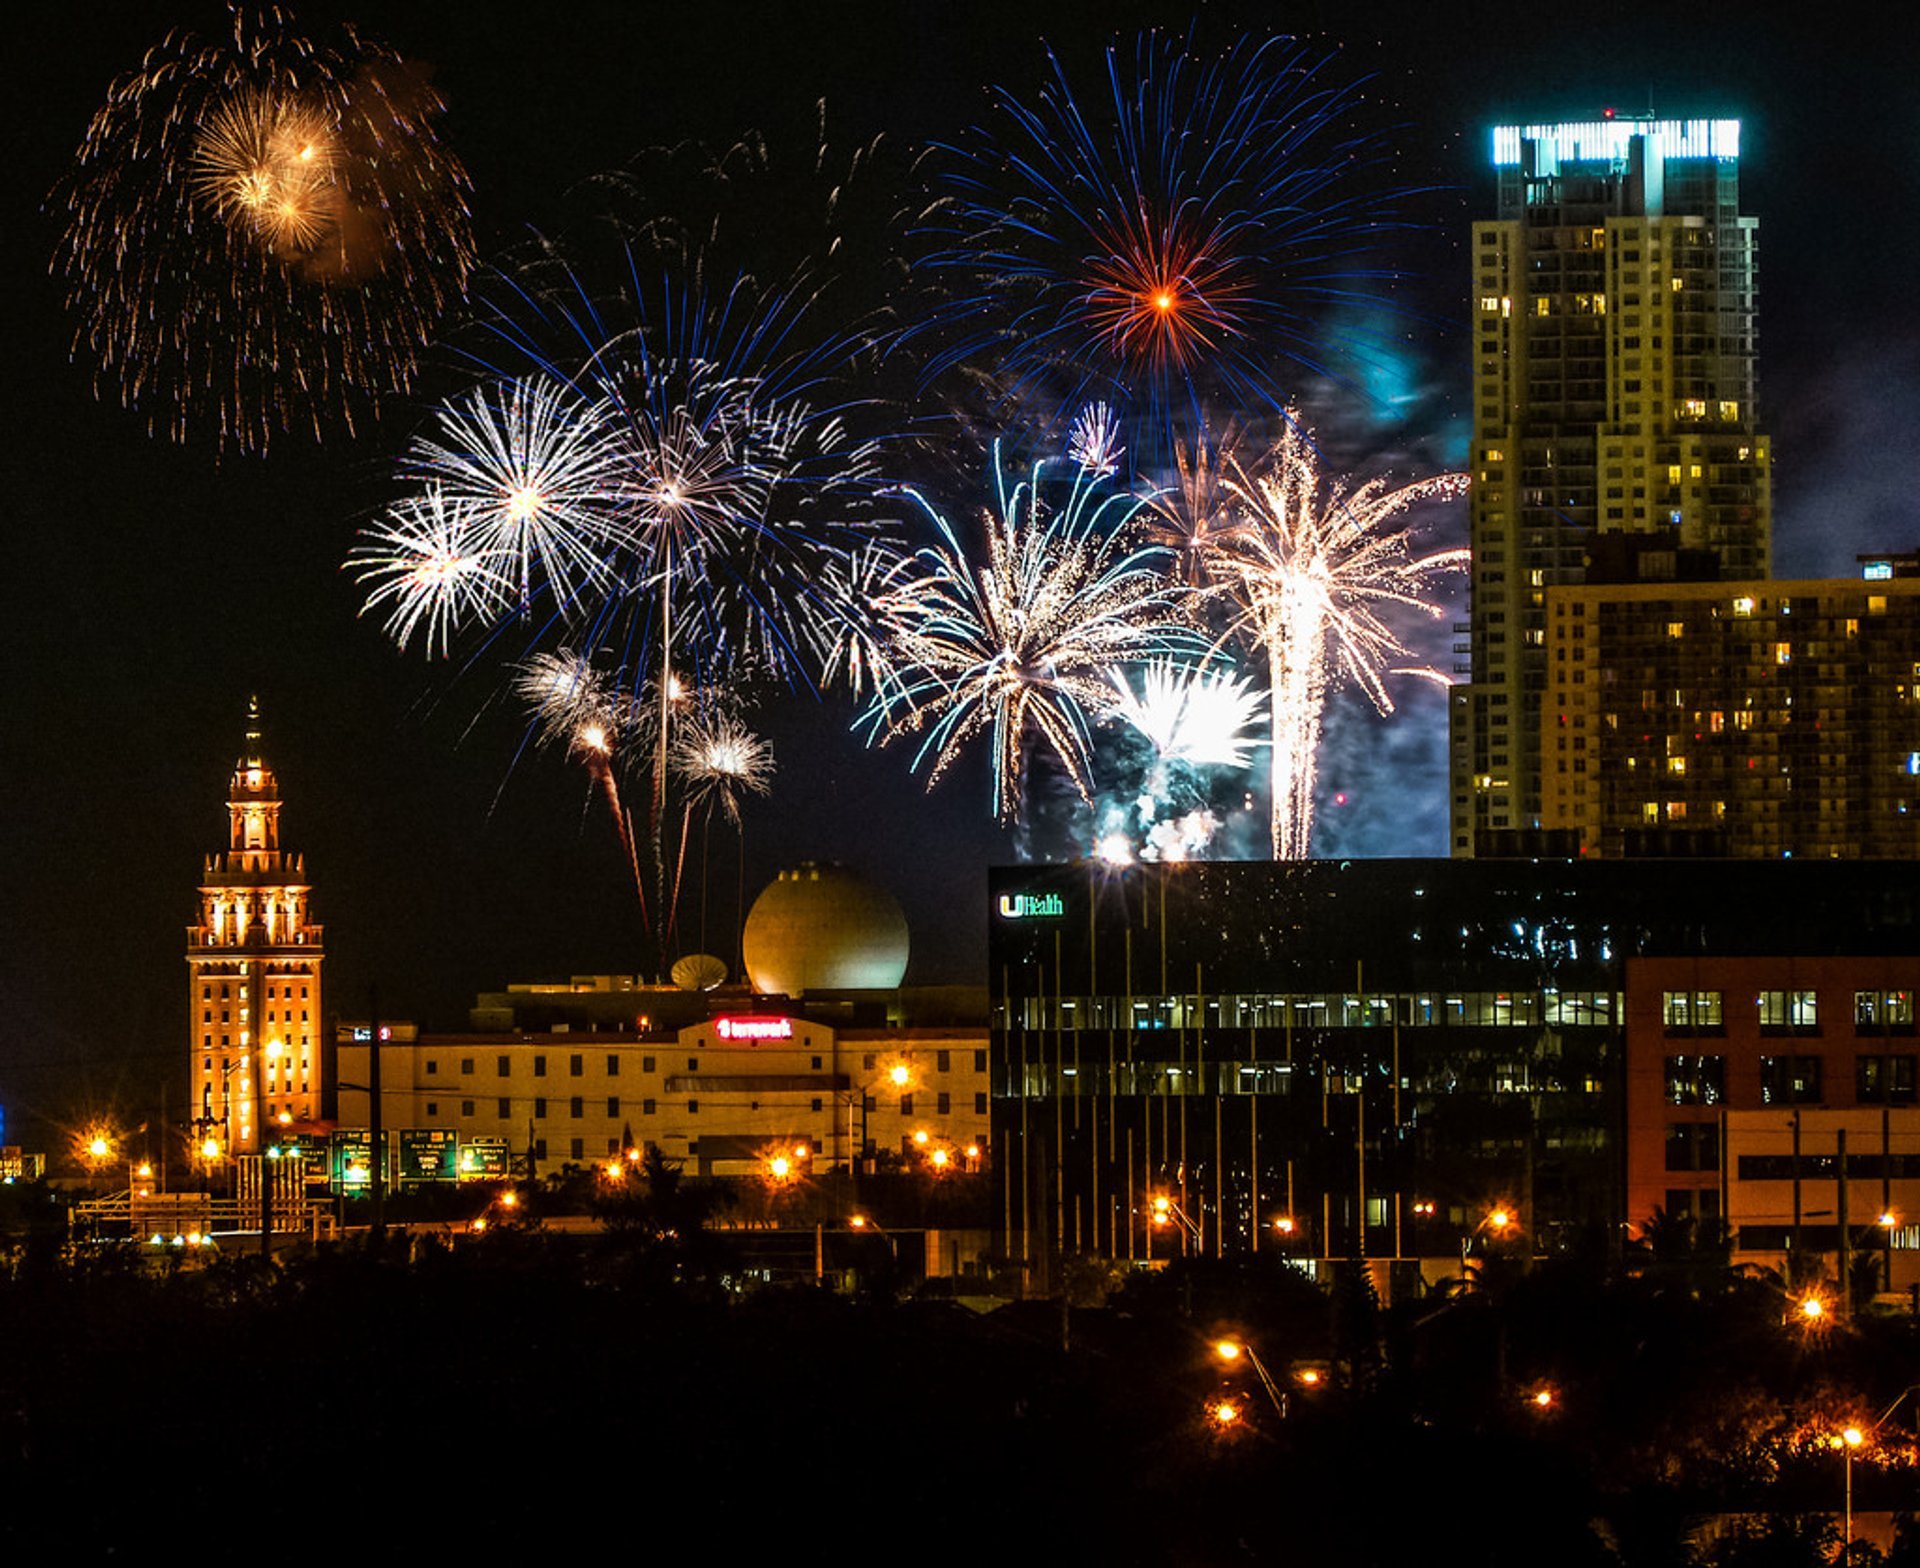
1691	1009
1787	1009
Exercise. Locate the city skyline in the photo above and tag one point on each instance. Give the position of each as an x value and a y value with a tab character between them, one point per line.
162	588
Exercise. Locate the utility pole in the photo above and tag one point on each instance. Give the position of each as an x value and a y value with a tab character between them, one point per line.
377	1155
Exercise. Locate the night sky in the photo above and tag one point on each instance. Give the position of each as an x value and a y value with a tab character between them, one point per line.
152	587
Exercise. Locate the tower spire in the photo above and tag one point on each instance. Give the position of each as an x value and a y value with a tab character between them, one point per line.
250	756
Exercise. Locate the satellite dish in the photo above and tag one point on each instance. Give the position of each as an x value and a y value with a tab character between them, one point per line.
699	972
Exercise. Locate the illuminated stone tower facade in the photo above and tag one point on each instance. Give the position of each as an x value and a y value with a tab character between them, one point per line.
1614	421
254	955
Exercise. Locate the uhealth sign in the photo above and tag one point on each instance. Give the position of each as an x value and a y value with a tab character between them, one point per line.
1031	906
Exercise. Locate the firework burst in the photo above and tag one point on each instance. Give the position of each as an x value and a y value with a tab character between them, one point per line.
1017	637
1194	519
721	762
424	565
1190	714
1307	573
263	231
534	469
1175	232
1093	441
663	475
691	480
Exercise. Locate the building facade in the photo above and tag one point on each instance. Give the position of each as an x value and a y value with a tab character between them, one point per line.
1359	1059
1745	718
722	1095
1614	411
1779	1097
253	973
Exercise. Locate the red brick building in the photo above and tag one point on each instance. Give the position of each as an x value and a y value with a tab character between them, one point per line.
1754	1084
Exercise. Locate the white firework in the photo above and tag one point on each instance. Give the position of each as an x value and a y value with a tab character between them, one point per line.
1094	441
721	761
427	568
573	702
1307	571
1016	636
1190	714
539	472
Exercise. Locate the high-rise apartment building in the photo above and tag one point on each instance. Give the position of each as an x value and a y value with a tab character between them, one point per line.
1615	432
253	963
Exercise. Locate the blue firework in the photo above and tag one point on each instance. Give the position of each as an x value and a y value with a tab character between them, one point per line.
1173	238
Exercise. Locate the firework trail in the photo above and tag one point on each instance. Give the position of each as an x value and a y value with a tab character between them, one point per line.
574	705
1017	634
1173	234
263	231
1306	573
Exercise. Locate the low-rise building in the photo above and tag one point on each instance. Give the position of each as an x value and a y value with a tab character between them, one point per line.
721	1094
1778	1095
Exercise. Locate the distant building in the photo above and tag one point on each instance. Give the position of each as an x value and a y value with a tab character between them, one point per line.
1614	411
1763	718
1751	1082
1366	1059
721	1095
825	1052
253	967
1888	565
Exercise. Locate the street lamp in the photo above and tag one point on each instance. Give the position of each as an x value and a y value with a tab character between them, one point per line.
1231	1350
1167	1212
1850	1438
1812	1309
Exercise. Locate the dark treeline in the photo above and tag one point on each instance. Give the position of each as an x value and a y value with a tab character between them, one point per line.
621	1390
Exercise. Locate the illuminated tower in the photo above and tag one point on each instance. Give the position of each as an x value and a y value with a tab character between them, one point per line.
254	954
1614	424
